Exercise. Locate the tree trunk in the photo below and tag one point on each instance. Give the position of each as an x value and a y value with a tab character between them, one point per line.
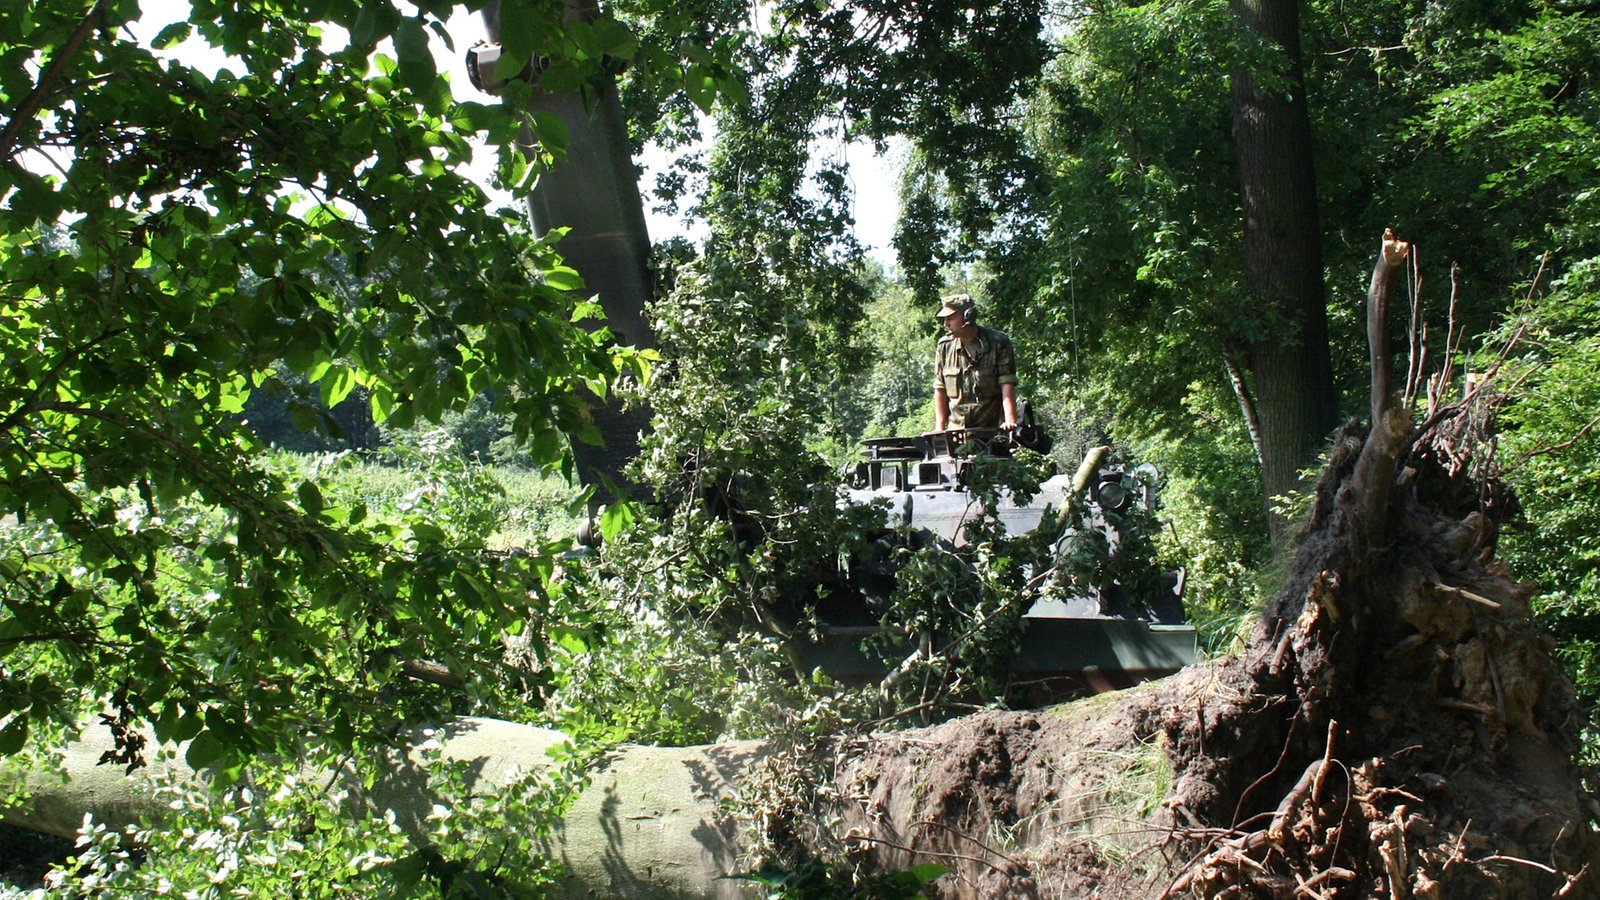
594	192
1290	364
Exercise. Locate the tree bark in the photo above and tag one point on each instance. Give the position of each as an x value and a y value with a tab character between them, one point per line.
594	192
1290	363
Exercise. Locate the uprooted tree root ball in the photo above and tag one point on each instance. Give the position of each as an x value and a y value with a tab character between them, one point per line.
1396	727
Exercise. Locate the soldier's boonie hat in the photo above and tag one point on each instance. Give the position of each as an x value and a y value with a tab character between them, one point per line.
954	303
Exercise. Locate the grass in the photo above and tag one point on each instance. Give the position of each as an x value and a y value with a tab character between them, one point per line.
524	507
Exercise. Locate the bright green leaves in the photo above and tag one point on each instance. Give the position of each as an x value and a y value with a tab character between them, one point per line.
701	84
615	518
1526	111
563	278
1550	349
299	212
336	384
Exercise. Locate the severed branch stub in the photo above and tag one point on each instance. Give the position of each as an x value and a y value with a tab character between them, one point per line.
1385	272
1391	424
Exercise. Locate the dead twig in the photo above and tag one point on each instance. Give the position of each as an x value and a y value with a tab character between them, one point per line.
1332	873
1455	852
1519	861
1383	793
1572	883
868	839
1327	762
929	823
1291	800
1466	594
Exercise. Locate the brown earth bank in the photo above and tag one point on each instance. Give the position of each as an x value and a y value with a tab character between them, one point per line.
1396	727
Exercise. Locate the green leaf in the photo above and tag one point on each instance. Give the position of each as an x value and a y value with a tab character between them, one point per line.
14	735
615	39
569	639
615	518
337	385
172	35
417	70
551	133
375	22
35	197
310	497
733	90
204	750
428	533
700	83
521	22
563	278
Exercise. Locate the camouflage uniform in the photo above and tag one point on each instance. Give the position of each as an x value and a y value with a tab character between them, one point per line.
971	376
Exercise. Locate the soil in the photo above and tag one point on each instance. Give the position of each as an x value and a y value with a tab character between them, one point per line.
1396	727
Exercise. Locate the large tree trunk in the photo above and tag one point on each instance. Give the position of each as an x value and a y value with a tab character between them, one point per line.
594	192
1290	363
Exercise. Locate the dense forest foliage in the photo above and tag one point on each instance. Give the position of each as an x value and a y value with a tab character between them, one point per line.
203	269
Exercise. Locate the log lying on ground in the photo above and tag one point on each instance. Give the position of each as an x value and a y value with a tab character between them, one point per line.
652	822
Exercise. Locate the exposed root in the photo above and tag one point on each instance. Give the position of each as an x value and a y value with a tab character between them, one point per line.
1396	727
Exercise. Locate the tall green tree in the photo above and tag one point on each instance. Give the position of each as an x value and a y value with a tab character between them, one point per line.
587	191
1291	398
169	237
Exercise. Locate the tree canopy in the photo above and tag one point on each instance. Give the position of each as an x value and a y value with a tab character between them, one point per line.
174	240
178	244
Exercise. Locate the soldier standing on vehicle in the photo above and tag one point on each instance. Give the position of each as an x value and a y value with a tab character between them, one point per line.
974	371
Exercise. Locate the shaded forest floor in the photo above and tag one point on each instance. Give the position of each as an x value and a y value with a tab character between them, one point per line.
25	856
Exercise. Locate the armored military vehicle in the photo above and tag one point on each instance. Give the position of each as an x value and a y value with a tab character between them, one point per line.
1100	639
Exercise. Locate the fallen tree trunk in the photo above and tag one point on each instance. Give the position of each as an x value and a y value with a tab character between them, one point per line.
1396	727
653	821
